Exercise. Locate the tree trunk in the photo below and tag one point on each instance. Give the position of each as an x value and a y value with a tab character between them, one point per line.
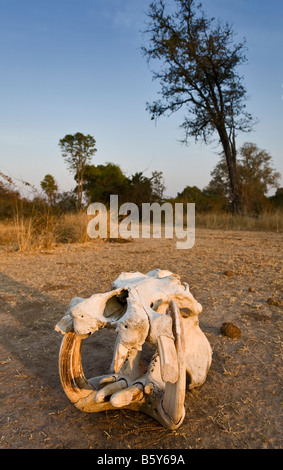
229	149
80	189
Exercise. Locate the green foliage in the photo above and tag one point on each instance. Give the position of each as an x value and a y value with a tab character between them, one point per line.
158	186
78	150
277	200
50	187
66	202
103	180
206	200
255	177
140	189
192	194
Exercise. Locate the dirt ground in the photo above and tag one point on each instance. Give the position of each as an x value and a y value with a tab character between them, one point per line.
238	407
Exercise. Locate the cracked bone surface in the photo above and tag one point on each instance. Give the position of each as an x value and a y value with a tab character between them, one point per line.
153	308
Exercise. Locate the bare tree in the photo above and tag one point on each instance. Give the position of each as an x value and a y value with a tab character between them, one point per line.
198	71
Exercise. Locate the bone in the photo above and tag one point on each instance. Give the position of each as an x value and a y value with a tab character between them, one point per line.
121	353
148	388
174	396
127	396
107	380
65	325
168	359
109	390
153	308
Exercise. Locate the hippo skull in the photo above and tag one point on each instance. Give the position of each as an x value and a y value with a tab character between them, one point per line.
156	308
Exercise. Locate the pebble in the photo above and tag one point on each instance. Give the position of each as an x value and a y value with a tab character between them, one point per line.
230	330
229	273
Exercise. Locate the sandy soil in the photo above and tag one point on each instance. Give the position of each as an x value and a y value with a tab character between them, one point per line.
239	405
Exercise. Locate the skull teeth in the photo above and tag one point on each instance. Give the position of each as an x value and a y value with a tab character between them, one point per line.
121	353
109	390
107	380
125	397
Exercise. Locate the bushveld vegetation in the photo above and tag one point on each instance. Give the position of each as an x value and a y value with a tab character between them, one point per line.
198	61
47	218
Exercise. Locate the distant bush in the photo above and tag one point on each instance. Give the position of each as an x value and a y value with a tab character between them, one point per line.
276	201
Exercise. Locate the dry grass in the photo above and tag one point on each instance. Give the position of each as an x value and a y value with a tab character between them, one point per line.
270	221
71	228
8	234
45	231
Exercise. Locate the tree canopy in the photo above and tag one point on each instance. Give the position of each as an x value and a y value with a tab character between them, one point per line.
198	59
78	150
256	176
103	180
50	187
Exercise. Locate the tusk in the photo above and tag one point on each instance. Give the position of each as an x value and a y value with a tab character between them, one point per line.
109	390
77	388
71	372
121	353
174	395
125	397
168	359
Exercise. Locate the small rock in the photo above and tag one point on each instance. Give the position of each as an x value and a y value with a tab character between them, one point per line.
230	330
229	273
251	289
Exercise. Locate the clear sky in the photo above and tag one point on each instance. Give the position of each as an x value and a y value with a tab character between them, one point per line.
76	66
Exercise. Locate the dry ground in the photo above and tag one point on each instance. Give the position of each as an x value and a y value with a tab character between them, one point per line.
238	407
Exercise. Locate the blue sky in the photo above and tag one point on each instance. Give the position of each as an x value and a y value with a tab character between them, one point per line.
76	66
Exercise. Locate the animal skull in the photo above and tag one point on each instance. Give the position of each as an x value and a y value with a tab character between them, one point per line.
154	307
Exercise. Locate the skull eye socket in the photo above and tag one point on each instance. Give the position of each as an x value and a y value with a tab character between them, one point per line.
116	306
185	312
